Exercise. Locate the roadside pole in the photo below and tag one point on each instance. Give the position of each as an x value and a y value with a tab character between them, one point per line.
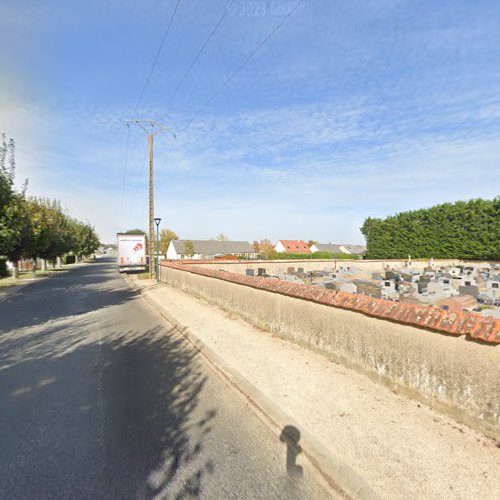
154	128
157	222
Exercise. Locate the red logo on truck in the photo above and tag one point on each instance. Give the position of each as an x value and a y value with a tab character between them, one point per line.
138	247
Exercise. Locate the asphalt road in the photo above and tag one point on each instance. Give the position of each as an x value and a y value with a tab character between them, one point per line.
99	398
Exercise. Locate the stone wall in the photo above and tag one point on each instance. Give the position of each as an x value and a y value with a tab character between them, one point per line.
279	266
448	360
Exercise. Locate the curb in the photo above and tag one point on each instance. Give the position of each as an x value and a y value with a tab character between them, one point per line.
339	476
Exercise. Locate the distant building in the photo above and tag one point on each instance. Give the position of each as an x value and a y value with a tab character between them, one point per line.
326	247
356	250
210	249
292	246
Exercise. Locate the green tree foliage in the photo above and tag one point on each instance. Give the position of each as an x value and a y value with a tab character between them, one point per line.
87	240
36	227
11	225
166	236
464	230
189	248
266	249
314	256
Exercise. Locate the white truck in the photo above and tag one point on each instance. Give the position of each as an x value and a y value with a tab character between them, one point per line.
131	252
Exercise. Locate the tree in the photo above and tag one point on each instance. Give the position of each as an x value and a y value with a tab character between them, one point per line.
135	231
222	237
11	226
189	248
266	249
20	239
36	227
310	243
464	230
166	236
87	240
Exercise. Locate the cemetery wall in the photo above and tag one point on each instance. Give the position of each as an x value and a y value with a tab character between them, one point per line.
450	361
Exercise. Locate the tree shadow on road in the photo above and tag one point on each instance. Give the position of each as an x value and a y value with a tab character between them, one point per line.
79	291
112	416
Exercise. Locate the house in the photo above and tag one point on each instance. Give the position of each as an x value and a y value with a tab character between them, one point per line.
333	248
353	249
210	249
292	246
326	247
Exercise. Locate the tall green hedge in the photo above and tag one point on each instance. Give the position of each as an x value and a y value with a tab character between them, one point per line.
464	230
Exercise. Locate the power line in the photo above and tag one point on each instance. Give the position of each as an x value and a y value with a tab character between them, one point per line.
242	65
151	71
155	60
205	43
236	71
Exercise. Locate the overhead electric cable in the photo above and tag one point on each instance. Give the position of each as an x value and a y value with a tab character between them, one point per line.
205	43
236	71
151	71
157	57
242	65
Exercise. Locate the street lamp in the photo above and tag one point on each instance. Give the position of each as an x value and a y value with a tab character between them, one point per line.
157	268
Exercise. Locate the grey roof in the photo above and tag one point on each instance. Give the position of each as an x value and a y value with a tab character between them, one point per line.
214	247
356	249
328	247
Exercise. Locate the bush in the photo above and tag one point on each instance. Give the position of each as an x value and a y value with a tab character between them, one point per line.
4	272
272	255
346	256
69	259
299	256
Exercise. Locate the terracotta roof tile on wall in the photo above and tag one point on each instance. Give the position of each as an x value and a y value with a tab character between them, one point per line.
454	322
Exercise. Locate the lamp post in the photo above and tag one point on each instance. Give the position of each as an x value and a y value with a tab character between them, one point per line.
157	268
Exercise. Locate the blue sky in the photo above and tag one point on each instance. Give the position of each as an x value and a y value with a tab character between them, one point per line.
351	109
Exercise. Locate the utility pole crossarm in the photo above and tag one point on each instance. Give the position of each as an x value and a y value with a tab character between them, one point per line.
142	122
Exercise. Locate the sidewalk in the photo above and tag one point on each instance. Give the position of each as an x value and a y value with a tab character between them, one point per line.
370	440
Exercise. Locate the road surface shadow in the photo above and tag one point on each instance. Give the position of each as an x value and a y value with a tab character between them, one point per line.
85	415
81	290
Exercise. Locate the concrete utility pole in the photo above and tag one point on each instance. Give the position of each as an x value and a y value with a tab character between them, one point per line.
154	129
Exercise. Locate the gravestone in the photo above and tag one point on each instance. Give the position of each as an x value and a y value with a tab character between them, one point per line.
468	290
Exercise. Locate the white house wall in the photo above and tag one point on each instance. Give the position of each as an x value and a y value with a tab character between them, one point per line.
171	253
279	247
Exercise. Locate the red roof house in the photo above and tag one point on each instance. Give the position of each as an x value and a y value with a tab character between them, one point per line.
292	246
